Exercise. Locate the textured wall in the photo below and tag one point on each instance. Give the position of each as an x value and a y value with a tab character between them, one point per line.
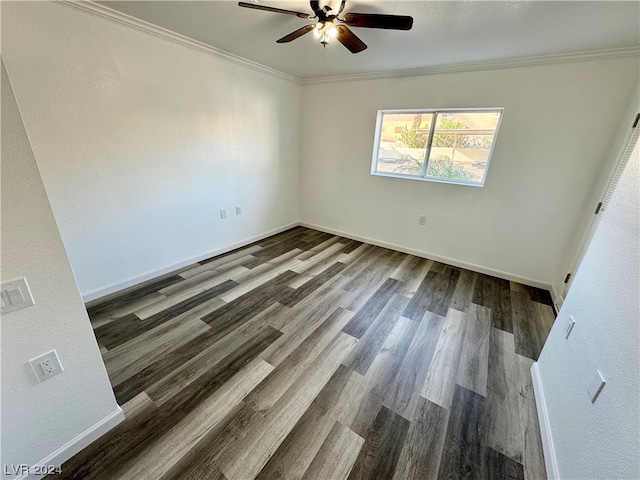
548	155
37	419
600	440
141	141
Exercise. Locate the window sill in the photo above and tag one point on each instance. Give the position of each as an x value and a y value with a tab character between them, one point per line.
428	179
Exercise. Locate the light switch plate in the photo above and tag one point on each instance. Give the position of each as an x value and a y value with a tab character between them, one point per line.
15	295
596	386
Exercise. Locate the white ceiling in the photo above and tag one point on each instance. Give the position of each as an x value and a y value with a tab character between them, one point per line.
444	32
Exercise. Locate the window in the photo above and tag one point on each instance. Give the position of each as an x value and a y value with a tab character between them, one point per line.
451	146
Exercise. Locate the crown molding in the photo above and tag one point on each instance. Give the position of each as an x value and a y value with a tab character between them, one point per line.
484	65
102	11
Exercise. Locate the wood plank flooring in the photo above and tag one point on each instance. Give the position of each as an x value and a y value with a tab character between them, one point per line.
307	355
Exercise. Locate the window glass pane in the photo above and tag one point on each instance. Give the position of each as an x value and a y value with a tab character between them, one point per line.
461	145
403	142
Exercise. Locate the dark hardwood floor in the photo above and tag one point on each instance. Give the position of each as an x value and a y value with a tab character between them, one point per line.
307	355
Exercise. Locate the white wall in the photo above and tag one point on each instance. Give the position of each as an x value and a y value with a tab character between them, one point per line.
558	125
141	141
600	440
582	235
38	419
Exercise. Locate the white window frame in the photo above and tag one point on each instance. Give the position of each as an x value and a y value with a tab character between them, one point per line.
423	176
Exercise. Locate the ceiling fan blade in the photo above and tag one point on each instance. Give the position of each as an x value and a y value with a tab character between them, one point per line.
274	9
374	20
349	39
296	34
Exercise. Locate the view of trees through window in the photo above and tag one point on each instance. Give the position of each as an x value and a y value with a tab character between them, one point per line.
452	145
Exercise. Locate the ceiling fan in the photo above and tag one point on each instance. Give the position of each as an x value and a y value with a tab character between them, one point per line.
329	25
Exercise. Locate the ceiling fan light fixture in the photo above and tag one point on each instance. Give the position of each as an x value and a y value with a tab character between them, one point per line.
325	31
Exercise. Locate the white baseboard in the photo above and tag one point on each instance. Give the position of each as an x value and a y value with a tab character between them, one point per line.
67	451
450	261
130	282
545	427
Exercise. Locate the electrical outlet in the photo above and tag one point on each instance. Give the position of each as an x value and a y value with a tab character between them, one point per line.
223	213
46	366
422	220
238	209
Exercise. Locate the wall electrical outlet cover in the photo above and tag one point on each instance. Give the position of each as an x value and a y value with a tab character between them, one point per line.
46	366
596	386
570	324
